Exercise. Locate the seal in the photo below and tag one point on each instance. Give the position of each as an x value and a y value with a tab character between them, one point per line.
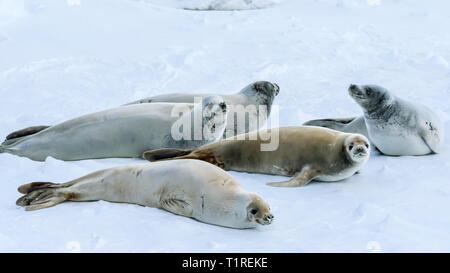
211	196
125	131
305	152
245	108
250	99
395	126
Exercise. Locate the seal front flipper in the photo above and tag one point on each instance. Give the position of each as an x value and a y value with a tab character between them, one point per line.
306	175
177	206
26	132
431	136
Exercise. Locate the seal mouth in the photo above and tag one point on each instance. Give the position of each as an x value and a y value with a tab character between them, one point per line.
266	220
357	94
360	154
264	223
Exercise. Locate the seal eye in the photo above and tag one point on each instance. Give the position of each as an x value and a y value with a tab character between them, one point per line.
367	146
350	147
254	211
368	91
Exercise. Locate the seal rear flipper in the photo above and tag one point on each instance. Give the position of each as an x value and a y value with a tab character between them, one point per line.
173	154
26	132
27	188
165	154
335	124
306	175
42	198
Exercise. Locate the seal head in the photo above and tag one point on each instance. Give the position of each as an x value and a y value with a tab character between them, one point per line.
357	148
370	97
258	211
264	91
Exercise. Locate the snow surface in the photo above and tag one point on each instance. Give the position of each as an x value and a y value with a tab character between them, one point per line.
62	59
215	4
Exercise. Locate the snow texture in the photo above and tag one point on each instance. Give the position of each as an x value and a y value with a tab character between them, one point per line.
215	4
62	59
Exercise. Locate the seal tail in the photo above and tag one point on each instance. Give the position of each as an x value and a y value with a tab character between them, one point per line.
4	148
168	154
40	195
335	124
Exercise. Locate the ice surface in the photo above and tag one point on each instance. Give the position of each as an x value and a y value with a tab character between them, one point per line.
62	59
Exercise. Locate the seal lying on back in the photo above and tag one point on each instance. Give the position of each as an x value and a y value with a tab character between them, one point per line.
123	132
261	93
211	196
395	126
306	153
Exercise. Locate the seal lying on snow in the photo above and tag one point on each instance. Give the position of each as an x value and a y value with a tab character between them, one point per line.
123	132
395	126
306	153
261	93
258	94
211	196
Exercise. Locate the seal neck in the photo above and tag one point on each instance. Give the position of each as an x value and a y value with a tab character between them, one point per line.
259	98
383	112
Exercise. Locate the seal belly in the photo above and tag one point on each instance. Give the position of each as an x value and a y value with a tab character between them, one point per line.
400	145
398	140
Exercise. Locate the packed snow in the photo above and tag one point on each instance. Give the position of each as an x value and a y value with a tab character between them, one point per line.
215	4
62	59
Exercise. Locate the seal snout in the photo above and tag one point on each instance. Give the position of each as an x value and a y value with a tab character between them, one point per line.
360	151
277	89
268	218
355	92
